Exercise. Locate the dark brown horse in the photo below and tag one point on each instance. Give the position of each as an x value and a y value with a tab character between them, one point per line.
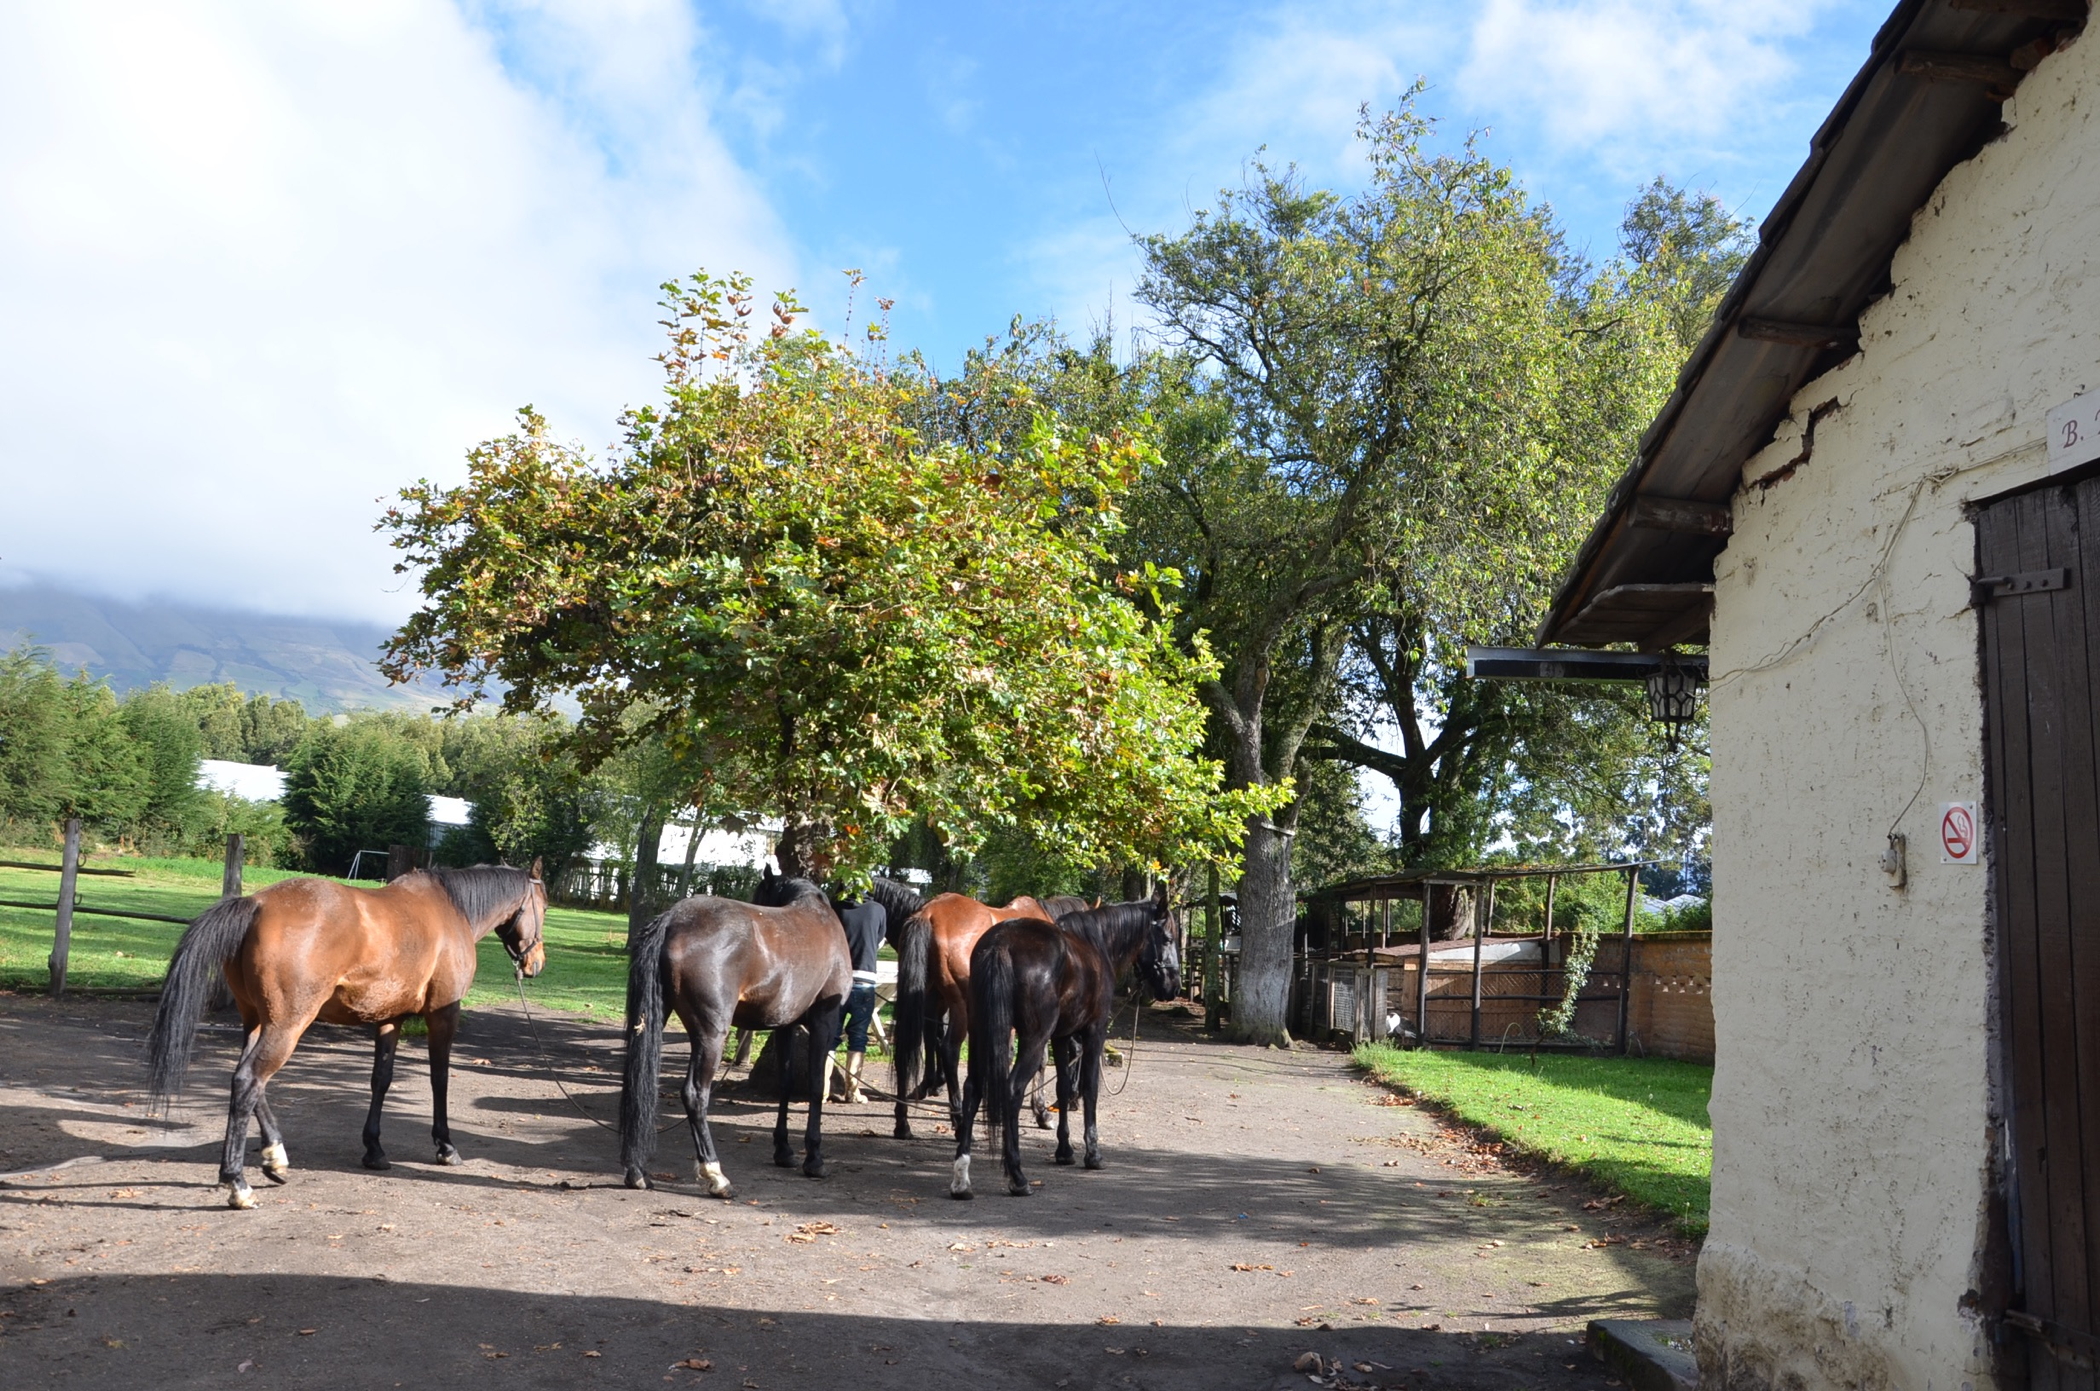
774	964
1042	984
308	949
933	993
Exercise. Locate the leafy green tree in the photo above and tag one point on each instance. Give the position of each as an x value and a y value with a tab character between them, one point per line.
1567	772
243	728
34	723
825	618
529	799
1377	379
355	786
169	746
108	782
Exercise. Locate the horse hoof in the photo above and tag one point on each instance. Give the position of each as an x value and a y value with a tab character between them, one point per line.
902	1132
377	1161
1042	1120
1067	1158
716	1181
276	1164
783	1159
637	1179
959	1182
813	1168
239	1195
1018	1188
449	1157
1093	1161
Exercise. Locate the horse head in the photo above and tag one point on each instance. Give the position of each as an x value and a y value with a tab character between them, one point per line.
524	935
1160	958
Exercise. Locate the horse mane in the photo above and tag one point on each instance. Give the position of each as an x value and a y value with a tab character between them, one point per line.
784	891
1115	929
1062	906
483	893
901	901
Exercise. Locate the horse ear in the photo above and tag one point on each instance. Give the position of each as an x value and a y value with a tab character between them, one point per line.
537	871
1159	895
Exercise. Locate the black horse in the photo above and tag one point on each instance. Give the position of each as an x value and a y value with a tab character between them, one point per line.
777	964
1054	985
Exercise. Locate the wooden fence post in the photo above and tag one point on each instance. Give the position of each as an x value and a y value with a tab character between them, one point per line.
62	934
1422	975
1483	918
1633	895
230	882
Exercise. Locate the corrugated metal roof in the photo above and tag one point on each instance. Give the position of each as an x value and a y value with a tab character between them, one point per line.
1928	98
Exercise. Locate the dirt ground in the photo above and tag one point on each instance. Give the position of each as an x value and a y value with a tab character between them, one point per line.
1257	1205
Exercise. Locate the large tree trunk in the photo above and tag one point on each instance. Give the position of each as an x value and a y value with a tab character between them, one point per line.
641	890
800	851
1268	923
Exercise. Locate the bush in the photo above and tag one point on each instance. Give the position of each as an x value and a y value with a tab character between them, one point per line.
355	787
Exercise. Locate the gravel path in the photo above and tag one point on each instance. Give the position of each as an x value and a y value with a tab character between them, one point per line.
1257	1205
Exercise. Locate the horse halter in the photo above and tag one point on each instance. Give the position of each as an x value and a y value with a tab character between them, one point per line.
518	953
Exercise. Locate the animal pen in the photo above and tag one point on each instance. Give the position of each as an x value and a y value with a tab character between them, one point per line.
1480	989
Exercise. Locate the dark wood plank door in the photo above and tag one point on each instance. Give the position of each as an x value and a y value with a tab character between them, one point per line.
2041	651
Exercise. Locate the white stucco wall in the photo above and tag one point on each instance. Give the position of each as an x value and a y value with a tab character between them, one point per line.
1853	1098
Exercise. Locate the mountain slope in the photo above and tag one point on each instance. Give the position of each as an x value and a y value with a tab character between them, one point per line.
324	664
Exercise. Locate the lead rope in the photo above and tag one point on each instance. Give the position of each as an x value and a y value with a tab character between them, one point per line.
1137	1012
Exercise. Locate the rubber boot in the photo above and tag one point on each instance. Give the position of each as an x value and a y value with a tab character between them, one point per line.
853	1066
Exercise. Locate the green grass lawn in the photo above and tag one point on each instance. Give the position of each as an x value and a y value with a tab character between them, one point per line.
586	957
1638	1126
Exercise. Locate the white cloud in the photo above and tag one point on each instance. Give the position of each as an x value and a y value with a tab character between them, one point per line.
265	262
1649	74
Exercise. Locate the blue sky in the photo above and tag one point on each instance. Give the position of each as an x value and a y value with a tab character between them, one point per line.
268	260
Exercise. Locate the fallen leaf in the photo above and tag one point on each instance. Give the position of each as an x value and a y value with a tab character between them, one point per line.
308	1332
124	1193
245	1367
1241	1265
1309	1362
694	1364
960	1246
1108	1319
593	1353
1055	1279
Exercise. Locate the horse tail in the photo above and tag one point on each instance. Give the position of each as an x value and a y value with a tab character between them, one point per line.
206	945
914	967
645	1039
992	989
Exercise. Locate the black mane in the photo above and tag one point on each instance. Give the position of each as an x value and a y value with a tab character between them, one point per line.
900	901
484	893
782	891
1116	929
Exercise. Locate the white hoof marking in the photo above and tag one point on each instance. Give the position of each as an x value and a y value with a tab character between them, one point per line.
961	1182
274	1157
717	1182
239	1195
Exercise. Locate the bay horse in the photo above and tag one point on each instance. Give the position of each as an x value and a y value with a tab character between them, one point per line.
933	995
777	963
308	949
1038	983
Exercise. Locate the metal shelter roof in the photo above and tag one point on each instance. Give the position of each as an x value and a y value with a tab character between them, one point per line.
1928	98
1415	883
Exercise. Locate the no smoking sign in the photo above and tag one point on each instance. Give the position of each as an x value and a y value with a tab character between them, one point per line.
1960	834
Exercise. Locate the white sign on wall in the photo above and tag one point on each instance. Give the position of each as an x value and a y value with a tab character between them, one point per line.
1961	835
2074	432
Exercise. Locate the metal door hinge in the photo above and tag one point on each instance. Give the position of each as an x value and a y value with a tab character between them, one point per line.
1983	590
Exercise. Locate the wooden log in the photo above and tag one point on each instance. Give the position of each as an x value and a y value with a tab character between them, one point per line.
1983	69
1800	335
62	931
1681	515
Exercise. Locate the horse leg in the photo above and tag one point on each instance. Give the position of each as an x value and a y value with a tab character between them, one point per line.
276	1164
823	1037
382	1078
1066	1051
699	1092
951	1075
1028	1061
784	1041
743	1047
444	1023
1036	1103
1090	1088
959	1182
266	1051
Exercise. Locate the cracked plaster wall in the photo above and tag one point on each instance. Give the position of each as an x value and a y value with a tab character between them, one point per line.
1853	1100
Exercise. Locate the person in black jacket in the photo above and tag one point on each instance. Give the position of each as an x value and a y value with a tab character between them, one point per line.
866	923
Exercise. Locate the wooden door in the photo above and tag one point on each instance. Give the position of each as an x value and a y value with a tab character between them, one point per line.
2039	588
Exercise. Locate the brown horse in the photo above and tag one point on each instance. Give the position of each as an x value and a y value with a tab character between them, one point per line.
308	949
774	964
933	993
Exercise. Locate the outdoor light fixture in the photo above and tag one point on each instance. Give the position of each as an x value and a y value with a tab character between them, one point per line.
1673	698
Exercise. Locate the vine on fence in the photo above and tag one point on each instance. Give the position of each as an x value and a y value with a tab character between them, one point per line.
1558	1020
